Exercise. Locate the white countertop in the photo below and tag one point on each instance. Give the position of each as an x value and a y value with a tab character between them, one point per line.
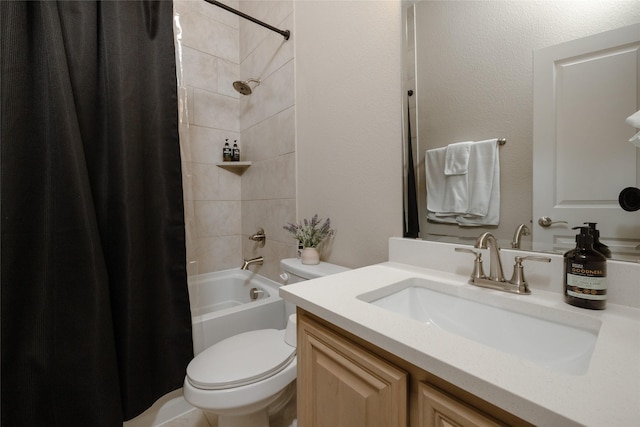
608	394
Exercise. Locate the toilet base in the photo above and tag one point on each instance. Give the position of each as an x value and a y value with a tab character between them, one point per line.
258	418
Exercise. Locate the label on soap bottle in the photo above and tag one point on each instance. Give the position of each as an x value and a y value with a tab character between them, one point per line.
226	153
586	285
235	156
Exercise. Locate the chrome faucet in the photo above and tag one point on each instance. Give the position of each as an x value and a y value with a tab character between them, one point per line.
487	241
522	230
247	262
496	280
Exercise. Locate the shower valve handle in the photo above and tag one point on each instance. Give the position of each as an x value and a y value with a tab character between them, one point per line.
259	237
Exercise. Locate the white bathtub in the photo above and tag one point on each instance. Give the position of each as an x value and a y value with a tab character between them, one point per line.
221	305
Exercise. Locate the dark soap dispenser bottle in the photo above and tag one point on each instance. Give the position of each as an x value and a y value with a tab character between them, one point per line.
597	244
585	274
226	151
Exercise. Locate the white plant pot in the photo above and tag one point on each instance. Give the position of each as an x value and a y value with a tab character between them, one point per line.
310	256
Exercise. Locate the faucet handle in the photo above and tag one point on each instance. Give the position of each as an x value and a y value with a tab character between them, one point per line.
259	237
478	272
517	278
533	258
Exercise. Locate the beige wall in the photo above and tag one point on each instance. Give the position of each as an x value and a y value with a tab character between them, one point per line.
474	64
323	132
348	116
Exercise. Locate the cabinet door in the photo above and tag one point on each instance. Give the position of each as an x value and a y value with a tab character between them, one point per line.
342	385
440	410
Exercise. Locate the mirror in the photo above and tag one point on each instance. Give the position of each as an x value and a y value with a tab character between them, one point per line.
473	80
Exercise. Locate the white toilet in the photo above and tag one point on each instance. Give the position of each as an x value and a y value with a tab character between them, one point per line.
246	377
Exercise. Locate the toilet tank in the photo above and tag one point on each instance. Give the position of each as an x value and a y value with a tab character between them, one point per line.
293	271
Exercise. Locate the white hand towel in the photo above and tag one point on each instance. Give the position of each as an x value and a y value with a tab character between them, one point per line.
457	158
446	195
434	166
493	213
634	121
456	195
445	219
470	199
484	185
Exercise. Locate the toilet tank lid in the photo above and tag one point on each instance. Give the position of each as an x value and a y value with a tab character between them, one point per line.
295	266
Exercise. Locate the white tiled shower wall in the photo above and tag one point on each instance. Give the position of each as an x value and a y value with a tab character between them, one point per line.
223	208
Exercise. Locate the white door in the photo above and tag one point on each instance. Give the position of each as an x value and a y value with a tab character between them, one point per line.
583	92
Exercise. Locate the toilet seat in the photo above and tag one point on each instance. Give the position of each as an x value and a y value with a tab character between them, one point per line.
242	359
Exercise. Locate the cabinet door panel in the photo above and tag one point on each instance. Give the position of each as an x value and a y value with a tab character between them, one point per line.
440	410
343	385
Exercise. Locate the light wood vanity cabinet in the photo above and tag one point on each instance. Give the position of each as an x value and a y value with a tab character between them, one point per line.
345	381
344	385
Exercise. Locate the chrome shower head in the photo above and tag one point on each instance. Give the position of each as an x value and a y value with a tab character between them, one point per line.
243	86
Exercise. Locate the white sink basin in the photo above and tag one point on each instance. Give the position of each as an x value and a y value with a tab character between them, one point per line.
557	339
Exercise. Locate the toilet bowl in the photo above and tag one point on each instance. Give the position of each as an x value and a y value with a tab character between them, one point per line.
245	378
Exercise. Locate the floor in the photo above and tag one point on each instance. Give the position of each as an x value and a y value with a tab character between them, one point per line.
173	411
285	418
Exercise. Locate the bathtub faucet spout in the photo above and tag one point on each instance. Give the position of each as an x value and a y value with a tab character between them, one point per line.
247	262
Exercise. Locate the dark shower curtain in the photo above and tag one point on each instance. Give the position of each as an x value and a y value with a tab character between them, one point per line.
95	311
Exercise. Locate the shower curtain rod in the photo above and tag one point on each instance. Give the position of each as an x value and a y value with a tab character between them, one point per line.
285	33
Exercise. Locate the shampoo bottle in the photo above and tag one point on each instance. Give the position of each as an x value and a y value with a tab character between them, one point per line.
235	152
585	272
597	244
226	152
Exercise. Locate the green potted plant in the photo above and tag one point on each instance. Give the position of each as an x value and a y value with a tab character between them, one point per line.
310	233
